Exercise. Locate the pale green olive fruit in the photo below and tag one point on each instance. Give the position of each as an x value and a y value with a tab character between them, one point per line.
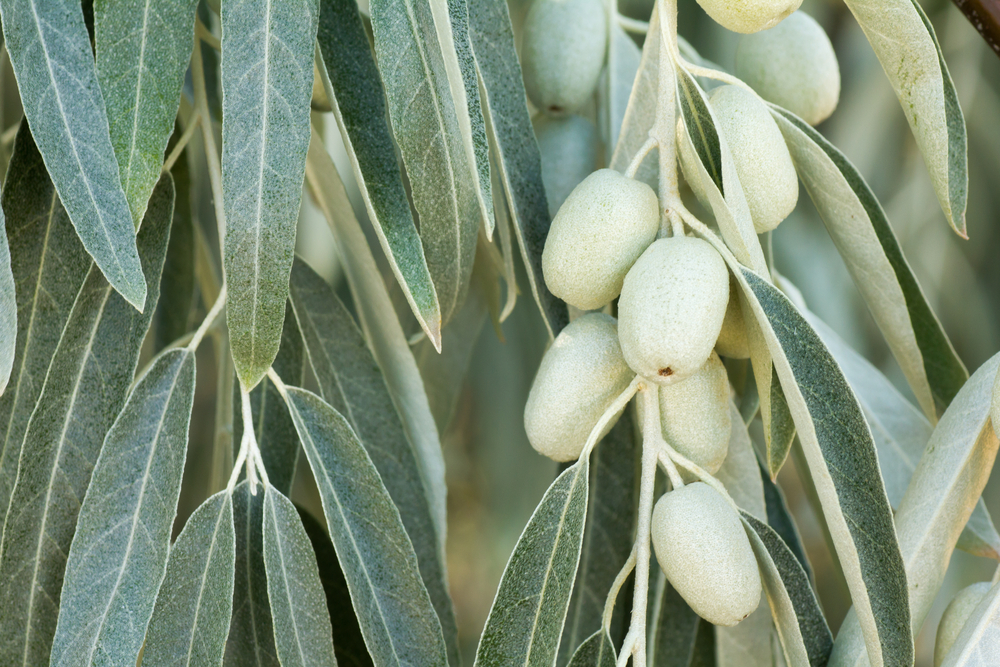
732	341
562	52
705	553
598	233
694	415
794	66
748	16
955	615
760	155
568	147
579	378
995	406
671	308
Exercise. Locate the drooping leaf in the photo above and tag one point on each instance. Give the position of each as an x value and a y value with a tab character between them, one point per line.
700	124
978	644
358	100
85	387
624	58
739	469
780	519
119	553
267	77
674	628
8	310
191	618
749	642
395	612
640	112
597	651
526	620
142	51
50	52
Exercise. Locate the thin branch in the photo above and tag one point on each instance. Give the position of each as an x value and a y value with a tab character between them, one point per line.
168	164
984	15
213	314
633	25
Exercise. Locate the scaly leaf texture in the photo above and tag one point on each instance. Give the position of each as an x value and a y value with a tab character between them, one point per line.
85	387
56	76
119	552
597	651
143	48
267	79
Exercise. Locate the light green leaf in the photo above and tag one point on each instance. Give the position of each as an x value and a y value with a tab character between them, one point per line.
143	48
526	620
511	134
354	86
748	643
8	310
191	618
904	41
679	637
624	58
397	618
85	387
980	537
267	77
119	553
597	651
739	472
302	631
978	644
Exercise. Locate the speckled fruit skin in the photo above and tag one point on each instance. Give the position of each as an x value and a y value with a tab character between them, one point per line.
568	147
694	415
955	615
794	66
705	554
762	161
600	230
732	341
671	308
747	16
562	52
579	378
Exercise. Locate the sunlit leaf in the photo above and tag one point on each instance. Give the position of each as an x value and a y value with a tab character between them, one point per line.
8	310
978	644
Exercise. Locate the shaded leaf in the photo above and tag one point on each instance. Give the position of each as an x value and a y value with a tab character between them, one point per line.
739	469
700	125
597	651
780	519
675	628
624	58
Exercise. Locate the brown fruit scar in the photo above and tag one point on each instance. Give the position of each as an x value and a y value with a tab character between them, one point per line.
666	372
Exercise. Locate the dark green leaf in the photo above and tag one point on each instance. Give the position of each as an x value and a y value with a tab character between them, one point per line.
701	126
597	651
674	628
780	519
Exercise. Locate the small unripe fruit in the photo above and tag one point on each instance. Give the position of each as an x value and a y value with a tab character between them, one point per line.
748	16
955	615
671	308
562	52
595	238
694	415
579	378
794	66
705	553
760	155
732	341
568	147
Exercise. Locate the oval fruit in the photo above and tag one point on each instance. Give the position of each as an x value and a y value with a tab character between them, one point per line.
760	155
748	16
562	52
794	66
955	615
579	378
568	147
694	415
595	238
705	554
732	341
671	308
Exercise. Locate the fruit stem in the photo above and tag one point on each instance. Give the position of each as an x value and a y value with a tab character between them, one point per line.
666	108
616	407
609	604
640	156
668	454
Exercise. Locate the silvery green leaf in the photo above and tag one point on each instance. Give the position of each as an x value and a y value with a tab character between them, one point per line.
780	519
57	79
518	160
302	631
679	637
85	387
979	537
49	264
749	642
938	502
624	58
143	48
978	644
8	310
354	88
350	382
862	233
739	472
904	41
597	651
395	612
267	78
191	618
119	552
527	616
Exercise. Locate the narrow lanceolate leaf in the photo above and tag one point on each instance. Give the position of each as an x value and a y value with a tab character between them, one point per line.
624	58
426	126
640	111
191	618
862	233
780	519
50	52
143	48
302	632
802	629
938	502
8	310
119	552
904	41
519	162
397	618
526	621
49	264
674	629
978	644
354	88
85	387
267	77
739	470
597	651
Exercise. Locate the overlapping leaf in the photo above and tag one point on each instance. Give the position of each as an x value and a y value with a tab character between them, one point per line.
8	310
679	637
624	58
597	651
978	644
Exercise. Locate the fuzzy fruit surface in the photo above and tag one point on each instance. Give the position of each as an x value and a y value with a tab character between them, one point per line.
747	16
562	52
762	160
955	615
671	308
597	235
694	415
579	378
732	341
568	147
705	554
794	66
